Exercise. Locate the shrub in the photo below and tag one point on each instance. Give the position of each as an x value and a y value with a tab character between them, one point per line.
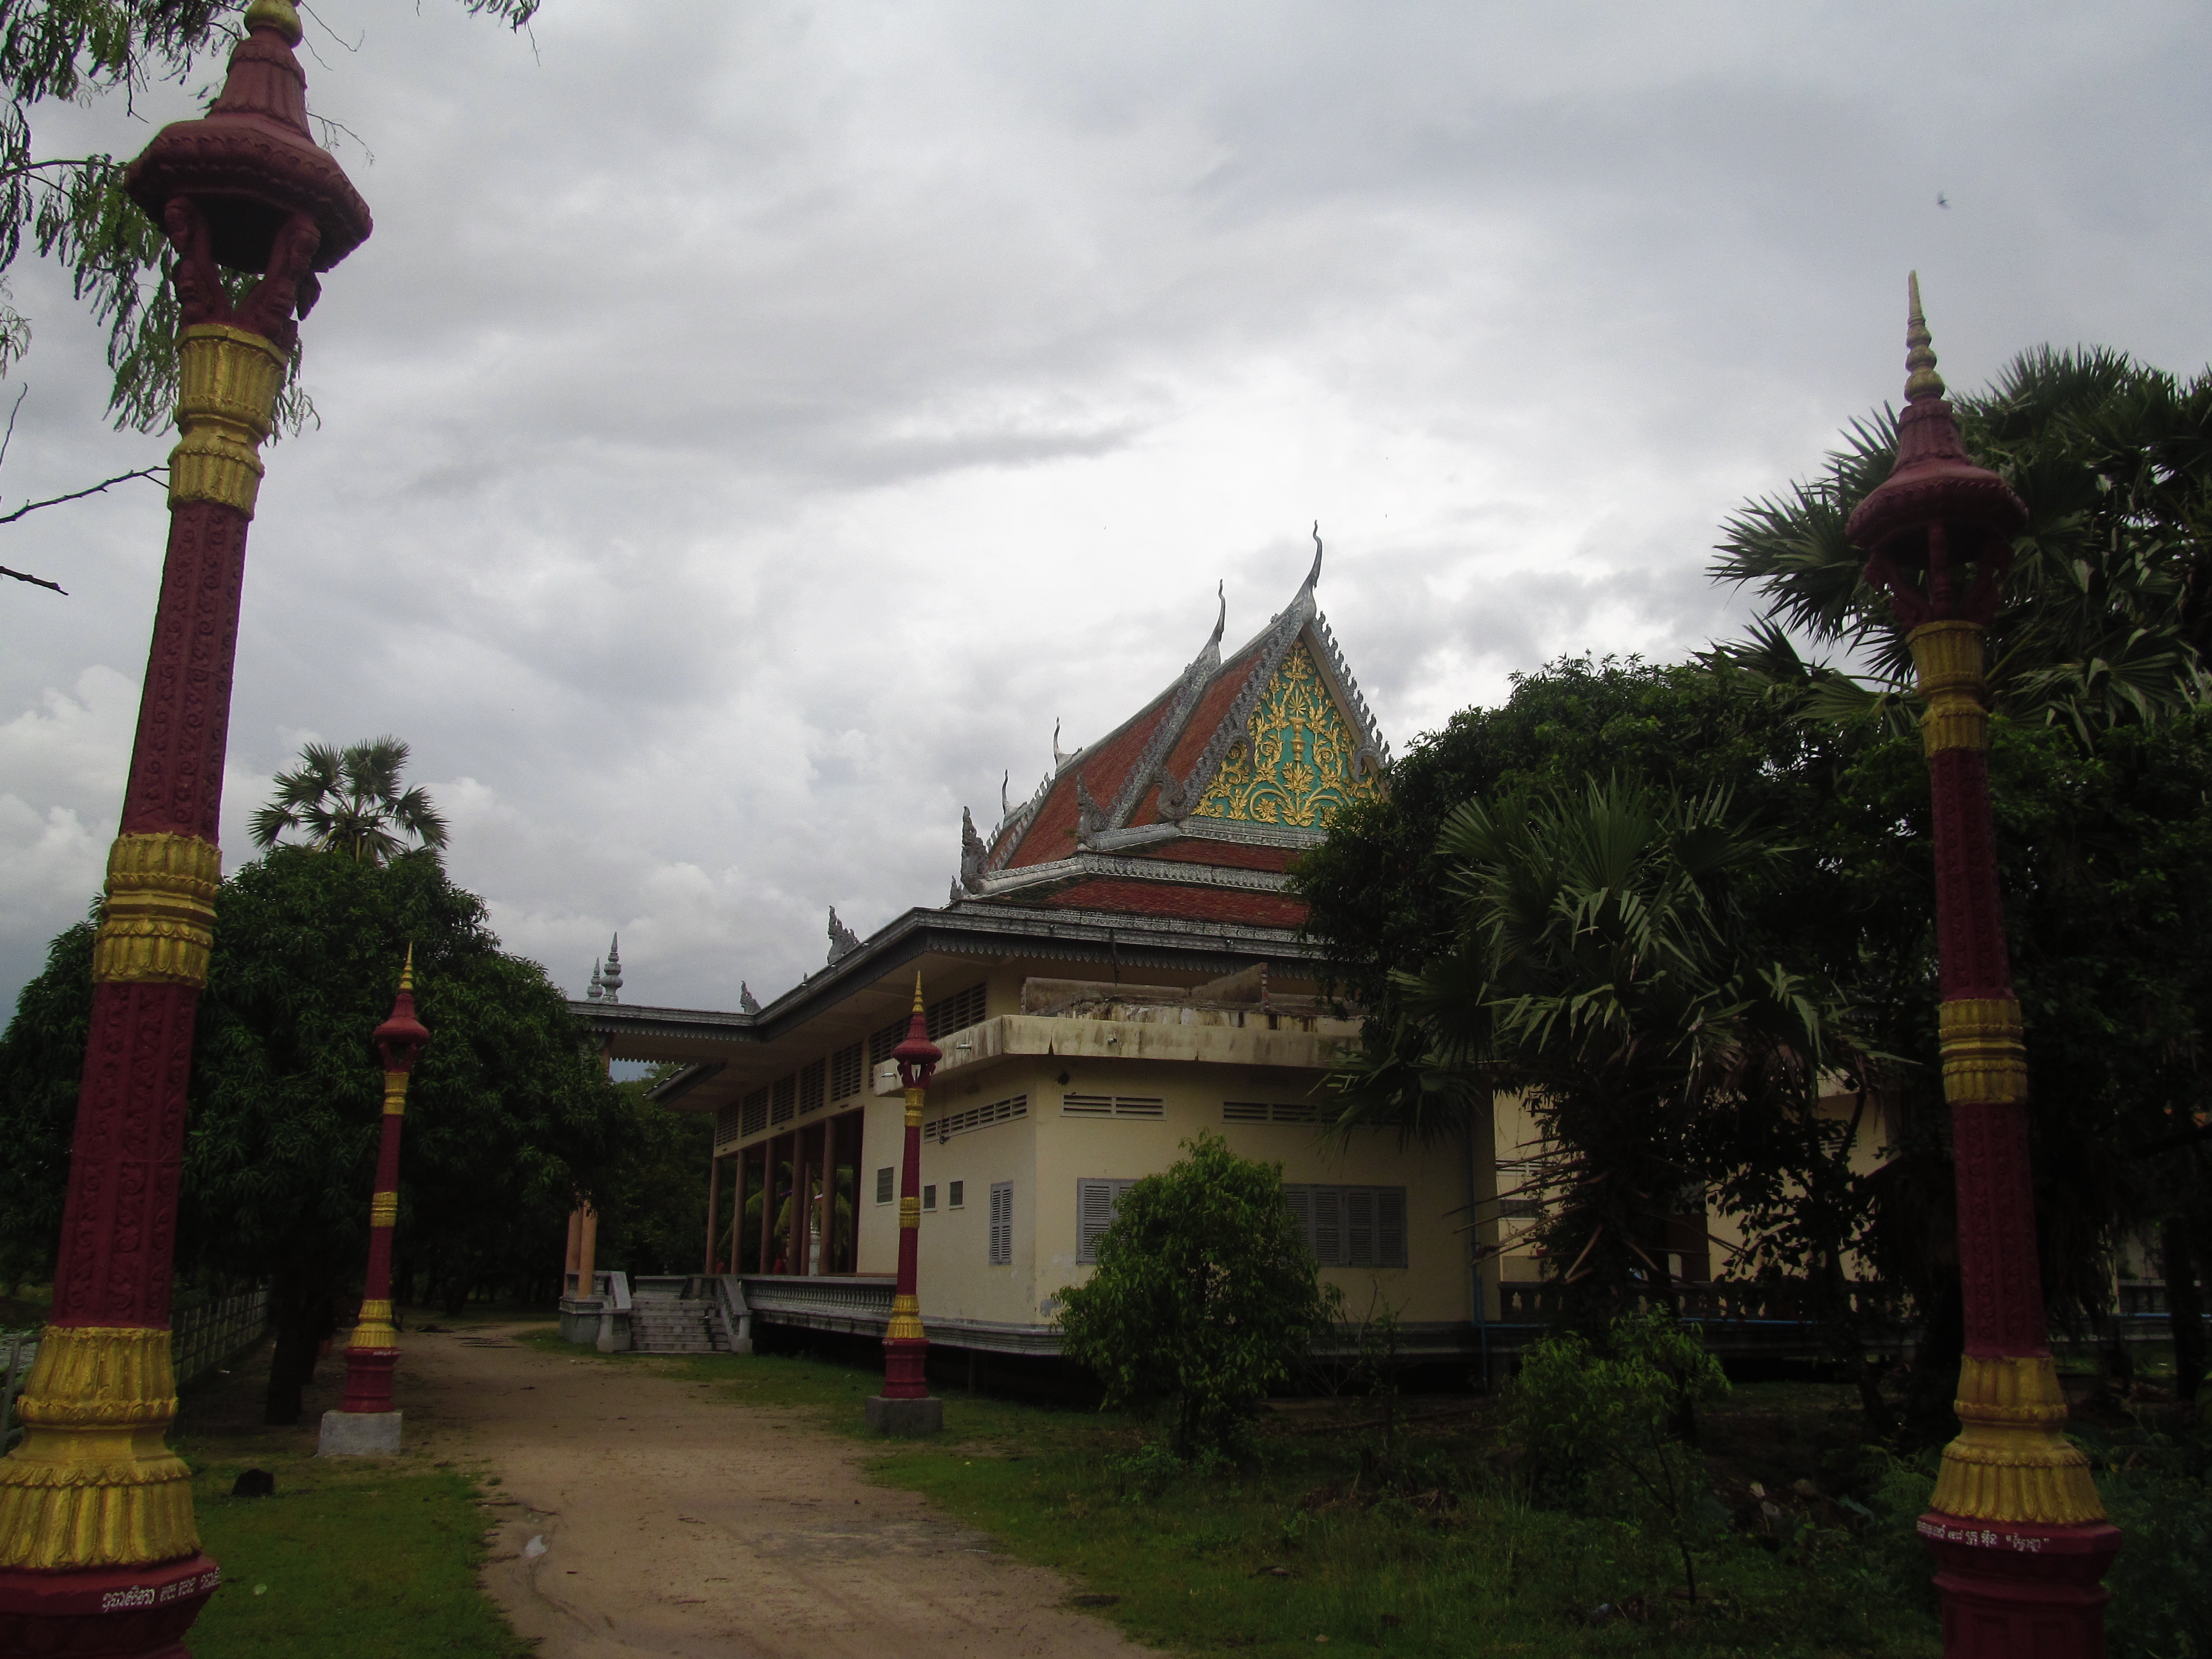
1600	1429
1205	1296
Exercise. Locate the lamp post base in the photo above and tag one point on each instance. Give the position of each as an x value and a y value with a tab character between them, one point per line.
2008	1588
106	1613
905	1417
360	1434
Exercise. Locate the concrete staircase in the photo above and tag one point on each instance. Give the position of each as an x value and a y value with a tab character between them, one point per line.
664	1319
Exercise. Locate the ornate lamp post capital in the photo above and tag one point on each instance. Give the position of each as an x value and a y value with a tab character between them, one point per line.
2019	1534
1938	531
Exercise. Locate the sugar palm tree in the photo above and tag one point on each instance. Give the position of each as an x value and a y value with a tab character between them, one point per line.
349	801
1605	967
2105	616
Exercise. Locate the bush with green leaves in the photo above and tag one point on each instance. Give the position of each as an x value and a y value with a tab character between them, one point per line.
1607	1427
1207	1295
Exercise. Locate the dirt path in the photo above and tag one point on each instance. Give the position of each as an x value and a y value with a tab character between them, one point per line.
674	1525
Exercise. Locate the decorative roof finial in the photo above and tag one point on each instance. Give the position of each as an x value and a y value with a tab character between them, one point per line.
597	990
278	15
1006	807
613	978
407	970
1221	620
746	1000
1313	576
842	939
1058	759
1921	381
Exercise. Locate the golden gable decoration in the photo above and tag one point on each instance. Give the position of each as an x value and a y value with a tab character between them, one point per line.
1294	764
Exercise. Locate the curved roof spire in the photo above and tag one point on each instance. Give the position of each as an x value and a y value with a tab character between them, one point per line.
1313	576
1220	622
1922	382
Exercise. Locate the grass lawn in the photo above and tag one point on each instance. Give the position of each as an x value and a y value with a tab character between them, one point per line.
349	1558
345	1563
1304	1551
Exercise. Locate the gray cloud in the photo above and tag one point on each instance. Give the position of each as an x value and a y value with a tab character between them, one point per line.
752	424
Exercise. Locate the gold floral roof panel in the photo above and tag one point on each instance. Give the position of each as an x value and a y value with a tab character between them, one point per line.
1295	765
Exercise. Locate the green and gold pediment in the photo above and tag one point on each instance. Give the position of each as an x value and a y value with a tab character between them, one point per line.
1295	765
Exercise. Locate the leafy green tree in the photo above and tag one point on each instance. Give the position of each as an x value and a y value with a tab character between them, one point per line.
349	800
509	1115
1205	1296
652	1209
72	209
1606	1420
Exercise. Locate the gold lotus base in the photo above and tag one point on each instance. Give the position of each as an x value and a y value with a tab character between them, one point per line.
2011	1461
92	1485
228	381
157	924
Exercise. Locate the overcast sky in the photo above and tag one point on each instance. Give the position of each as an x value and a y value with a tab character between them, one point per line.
752	424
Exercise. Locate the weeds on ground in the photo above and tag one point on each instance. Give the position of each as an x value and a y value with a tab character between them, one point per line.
1329	1535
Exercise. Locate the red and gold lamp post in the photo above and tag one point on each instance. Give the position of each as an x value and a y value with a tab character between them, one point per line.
99	1553
365	1422
904	1407
2019	1538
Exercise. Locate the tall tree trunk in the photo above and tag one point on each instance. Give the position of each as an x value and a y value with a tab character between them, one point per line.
1934	1381
2185	1308
303	1319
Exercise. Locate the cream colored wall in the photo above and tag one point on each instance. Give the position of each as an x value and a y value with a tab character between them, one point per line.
1432	1286
1514	1137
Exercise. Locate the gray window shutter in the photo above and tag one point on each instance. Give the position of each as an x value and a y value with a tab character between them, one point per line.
1390	1226
1002	1222
884	1185
1328	1225
1360	1226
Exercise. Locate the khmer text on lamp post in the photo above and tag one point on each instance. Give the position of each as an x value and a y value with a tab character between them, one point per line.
904	1407
2019	1534
365	1422
99	1552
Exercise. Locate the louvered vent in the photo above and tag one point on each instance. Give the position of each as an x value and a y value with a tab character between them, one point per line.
1112	1106
976	1117
810	1087
955	1012
1263	1111
755	1114
786	1101
1351	1226
846	1072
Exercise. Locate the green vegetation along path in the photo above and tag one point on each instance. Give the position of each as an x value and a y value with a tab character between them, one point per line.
646	1513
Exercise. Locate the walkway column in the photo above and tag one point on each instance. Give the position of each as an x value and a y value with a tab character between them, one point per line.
2019	1534
99	1552
365	1423
714	1207
904	1407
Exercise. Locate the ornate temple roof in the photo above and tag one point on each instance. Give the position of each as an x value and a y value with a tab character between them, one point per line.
1196	805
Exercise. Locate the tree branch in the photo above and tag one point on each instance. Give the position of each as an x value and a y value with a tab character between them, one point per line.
79	494
35	582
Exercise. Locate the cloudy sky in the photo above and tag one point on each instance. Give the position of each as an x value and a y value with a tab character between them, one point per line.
754	423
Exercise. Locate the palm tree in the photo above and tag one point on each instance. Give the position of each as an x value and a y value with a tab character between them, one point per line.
2105	616
1604	968
349	801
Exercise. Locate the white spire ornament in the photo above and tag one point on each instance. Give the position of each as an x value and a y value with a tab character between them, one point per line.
612	978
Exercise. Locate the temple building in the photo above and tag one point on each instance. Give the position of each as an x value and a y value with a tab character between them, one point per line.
1117	969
